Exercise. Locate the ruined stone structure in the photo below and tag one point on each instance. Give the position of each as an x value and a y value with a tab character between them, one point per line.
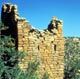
46	46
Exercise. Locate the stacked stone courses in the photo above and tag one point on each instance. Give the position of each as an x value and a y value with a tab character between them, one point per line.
45	46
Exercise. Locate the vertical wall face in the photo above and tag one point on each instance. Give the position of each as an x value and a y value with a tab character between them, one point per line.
9	16
46	46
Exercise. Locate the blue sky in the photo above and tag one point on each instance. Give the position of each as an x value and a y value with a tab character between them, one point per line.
40	12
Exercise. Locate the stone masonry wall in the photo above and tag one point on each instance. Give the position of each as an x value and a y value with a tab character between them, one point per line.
45	46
